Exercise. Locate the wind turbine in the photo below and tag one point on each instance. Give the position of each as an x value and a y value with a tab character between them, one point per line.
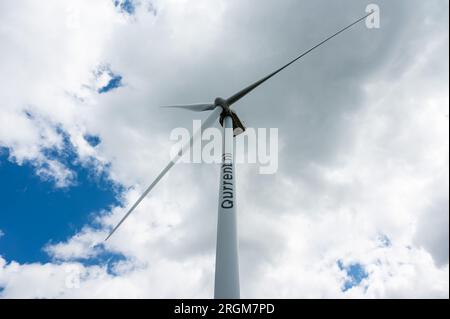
226	285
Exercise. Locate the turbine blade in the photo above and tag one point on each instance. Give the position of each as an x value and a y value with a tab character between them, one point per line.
193	107
236	97
208	122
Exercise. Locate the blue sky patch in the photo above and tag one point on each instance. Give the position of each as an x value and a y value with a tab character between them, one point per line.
106	79
129	6
34	212
126	6
355	274
114	82
66	154
93	140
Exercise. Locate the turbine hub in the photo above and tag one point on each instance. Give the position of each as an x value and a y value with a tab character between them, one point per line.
222	103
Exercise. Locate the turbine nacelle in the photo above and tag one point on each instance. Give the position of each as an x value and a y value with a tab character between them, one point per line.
238	125
222	103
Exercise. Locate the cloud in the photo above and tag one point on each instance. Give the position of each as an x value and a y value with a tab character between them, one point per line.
432	232
363	124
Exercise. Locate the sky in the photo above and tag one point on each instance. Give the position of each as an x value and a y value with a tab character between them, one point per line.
359	206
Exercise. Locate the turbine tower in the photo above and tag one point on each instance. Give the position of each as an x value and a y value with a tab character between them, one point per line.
226	284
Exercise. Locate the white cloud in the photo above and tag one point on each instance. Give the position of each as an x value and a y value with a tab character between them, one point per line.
83	245
365	144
